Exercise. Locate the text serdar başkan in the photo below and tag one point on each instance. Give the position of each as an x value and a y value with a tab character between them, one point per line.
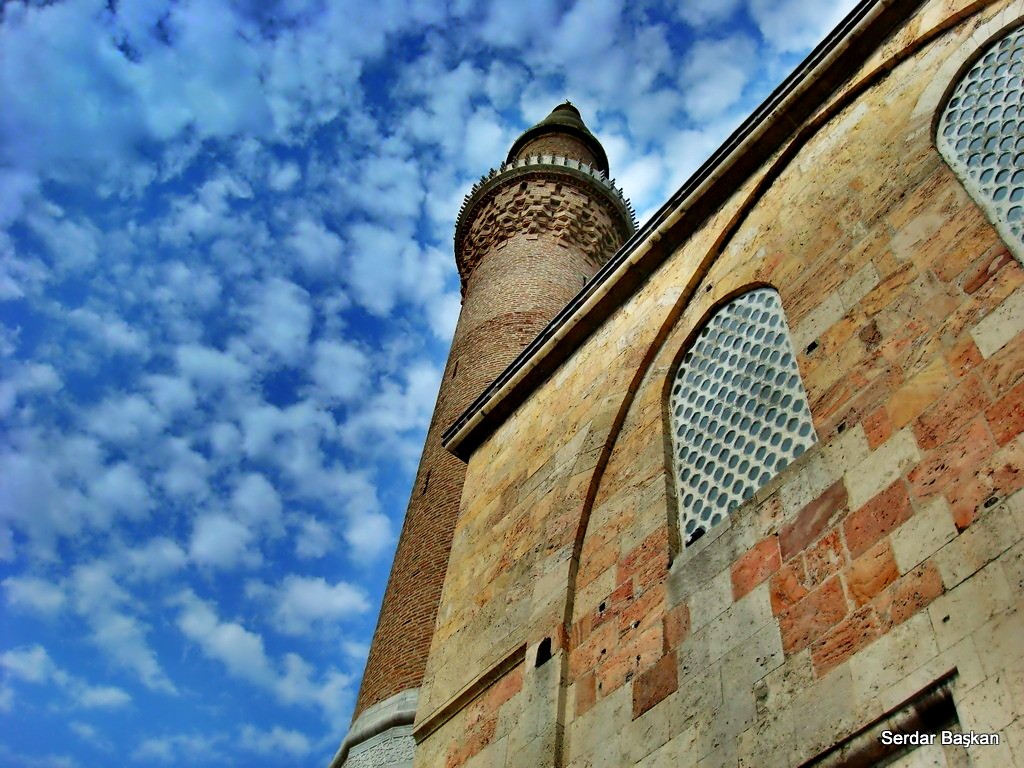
948	738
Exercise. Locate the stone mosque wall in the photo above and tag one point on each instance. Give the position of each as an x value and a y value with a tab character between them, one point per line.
875	582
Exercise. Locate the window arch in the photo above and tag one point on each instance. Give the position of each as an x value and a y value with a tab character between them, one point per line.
738	410
981	134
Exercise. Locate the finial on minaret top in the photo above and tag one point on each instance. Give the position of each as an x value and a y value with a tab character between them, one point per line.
560	130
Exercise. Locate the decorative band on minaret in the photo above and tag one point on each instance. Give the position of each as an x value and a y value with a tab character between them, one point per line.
528	237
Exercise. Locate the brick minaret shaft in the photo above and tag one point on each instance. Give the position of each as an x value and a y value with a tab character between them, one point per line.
528	236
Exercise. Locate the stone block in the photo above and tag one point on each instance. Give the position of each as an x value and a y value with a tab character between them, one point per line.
892	657
859	284
711	600
812	520
977	546
648	730
988	707
845	639
743	619
787	586
908	595
918	393
923	534
755	565
807	484
1006	415
653	685
972	603
1000	325
950	414
824	558
814	615
871	573
879	516
882	467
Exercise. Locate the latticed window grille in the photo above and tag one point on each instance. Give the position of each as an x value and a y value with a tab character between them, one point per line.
739	412
981	135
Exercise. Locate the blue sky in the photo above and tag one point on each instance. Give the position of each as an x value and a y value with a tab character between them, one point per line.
227	288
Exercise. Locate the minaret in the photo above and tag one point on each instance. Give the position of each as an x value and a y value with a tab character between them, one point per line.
528	237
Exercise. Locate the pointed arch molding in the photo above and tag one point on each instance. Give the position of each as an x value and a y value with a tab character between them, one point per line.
935	102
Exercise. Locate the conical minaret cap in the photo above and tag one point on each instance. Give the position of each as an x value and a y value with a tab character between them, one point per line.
566	119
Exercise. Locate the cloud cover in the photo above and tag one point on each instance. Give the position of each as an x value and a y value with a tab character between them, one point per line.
226	291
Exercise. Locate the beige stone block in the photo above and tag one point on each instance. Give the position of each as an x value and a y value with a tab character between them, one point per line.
817	321
494	755
776	691
753	659
858	285
824	713
768	742
709	601
987	707
589	734
923	534
1002	637
968	606
882	467
698	696
993	756
1015	739
973	549
846	450
693	742
963	658
1013	566
663	757
746	616
647	733
1000	325
892	657
813	479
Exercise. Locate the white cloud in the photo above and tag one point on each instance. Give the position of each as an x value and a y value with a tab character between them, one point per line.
180	748
257	503
280	320
698	13
276	741
34	594
119	491
714	74
210	368
238	649
243	655
100	601
316	247
794	25
314	539
283	177
340	371
369	536
125	419
219	541
170	394
33	665
299	603
156	559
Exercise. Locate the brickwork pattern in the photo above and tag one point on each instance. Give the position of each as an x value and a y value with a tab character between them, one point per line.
576	205
886	557
559	145
555	233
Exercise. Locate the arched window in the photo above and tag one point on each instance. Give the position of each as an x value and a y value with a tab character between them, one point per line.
738	410
981	135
